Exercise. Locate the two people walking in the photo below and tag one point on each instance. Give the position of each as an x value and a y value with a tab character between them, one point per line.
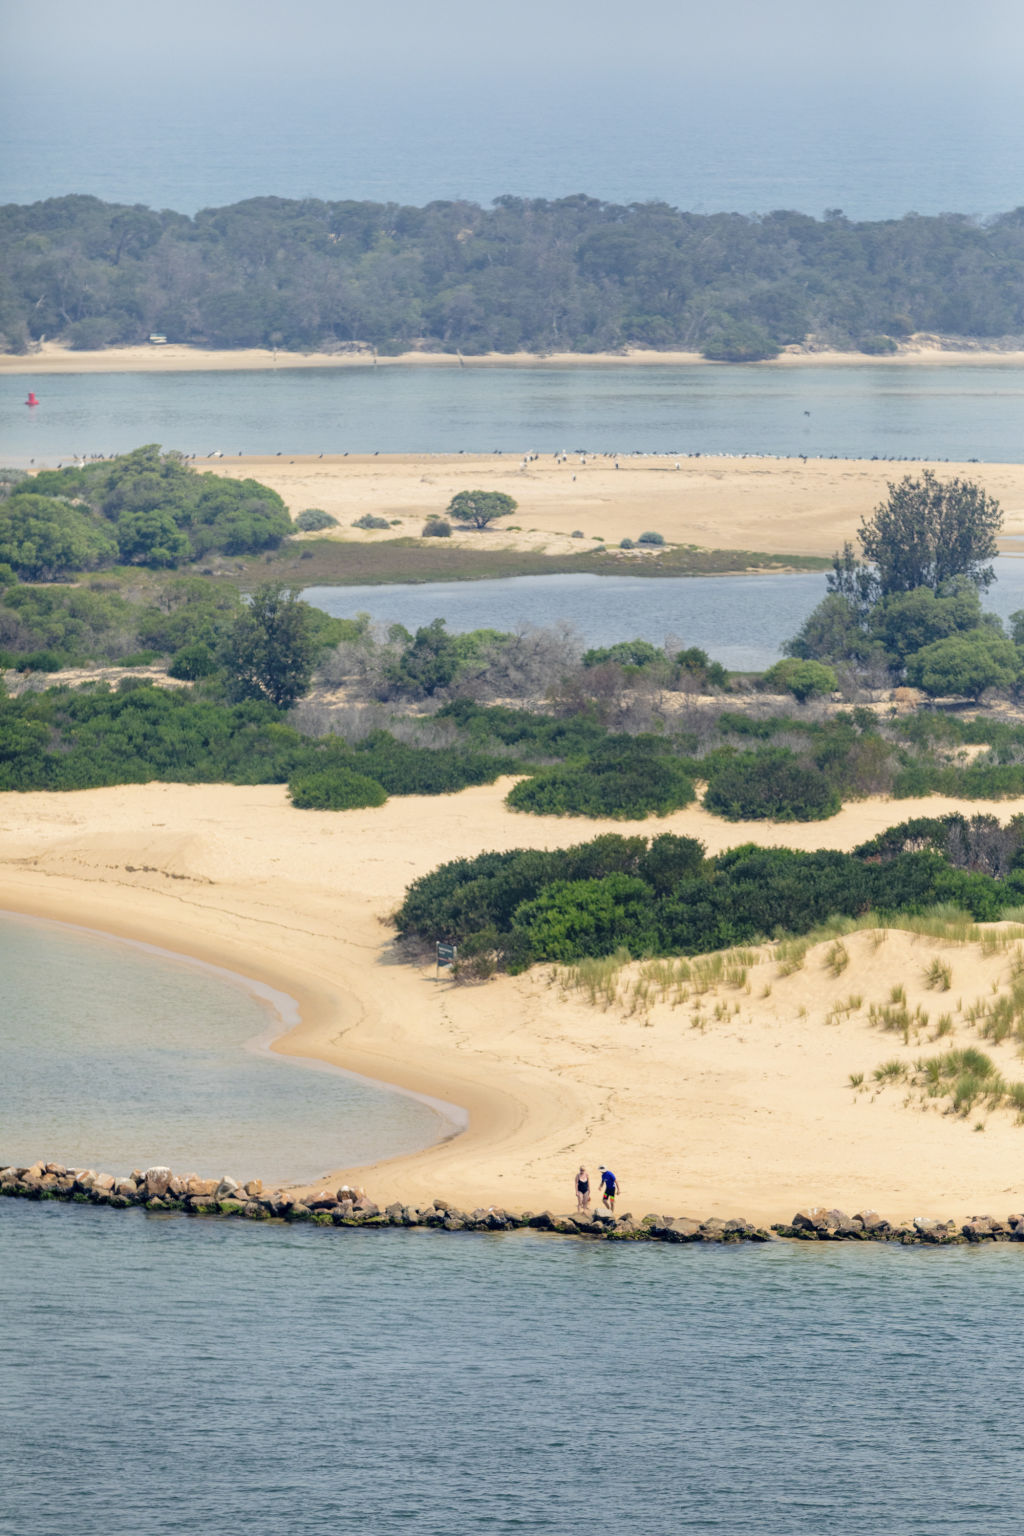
609	1189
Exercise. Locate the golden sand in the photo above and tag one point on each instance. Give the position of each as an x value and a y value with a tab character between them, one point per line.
746	1109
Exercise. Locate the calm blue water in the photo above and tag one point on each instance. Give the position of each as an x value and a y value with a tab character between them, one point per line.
701	126
118	1056
742	621
168	1375
865	411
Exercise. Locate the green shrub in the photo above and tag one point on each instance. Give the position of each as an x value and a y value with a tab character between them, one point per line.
193	662
369	520
803	679
626	544
437	528
625	783
651	538
334	789
313	520
771	784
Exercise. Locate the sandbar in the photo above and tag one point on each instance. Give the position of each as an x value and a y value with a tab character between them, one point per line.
775	506
749	1112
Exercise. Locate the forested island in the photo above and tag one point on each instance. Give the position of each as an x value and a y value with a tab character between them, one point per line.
570	275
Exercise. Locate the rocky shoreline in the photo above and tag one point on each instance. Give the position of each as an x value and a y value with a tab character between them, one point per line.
159	1189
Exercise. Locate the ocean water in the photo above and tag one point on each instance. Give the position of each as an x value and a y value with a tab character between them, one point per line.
692	123
867	411
167	1375
117	1056
742	621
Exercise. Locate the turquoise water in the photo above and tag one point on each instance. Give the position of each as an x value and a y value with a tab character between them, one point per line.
118	1056
743	621
167	1375
889	411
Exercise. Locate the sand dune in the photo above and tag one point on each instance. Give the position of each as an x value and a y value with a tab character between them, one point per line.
747	1113
778	506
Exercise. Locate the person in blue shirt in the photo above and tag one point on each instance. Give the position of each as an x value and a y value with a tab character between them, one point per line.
609	1189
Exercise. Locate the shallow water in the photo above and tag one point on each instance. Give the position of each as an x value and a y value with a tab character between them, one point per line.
742	621
847	412
118	1056
174	1374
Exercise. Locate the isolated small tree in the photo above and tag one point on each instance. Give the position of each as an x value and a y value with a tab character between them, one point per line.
271	647
481	507
803	679
930	530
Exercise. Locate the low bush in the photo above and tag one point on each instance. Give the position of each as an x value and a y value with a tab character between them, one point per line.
771	784
664	897
437	528
621	780
626	544
313	520
334	789
651	538
193	662
803	679
369	520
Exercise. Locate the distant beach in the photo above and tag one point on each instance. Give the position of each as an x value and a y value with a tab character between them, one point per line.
174	358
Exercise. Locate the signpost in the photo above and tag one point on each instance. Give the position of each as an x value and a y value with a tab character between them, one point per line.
446	955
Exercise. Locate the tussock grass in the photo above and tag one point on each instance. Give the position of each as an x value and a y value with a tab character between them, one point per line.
837	957
938	975
966	1077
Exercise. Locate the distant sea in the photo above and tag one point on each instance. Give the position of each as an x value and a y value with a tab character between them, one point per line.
708	139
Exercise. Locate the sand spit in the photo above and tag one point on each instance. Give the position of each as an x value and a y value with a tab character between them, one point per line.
924	351
737	1099
776	506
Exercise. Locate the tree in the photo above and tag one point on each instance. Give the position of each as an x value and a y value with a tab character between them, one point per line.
929	531
271	647
151	538
43	539
965	665
481	507
803	679
429	661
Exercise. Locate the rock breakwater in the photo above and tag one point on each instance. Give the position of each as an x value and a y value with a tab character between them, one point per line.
159	1189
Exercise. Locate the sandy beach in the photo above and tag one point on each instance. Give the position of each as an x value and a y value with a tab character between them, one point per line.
927	351
776	506
741	1106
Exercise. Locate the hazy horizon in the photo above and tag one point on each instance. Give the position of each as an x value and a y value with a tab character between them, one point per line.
881	112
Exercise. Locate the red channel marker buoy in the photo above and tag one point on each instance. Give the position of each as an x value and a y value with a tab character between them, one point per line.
32	399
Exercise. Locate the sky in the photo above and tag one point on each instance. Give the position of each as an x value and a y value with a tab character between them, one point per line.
747	104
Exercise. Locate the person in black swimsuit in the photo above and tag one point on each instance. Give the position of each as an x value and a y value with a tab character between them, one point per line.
582	1189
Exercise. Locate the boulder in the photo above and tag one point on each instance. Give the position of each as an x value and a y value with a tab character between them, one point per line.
197	1186
254	1187
126	1187
298	1212
226	1188
366	1208
543	1221
442	1205
156	1182
395	1214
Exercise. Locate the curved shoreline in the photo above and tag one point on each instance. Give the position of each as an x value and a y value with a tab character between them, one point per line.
179	358
314	1038
752	1116
271	1041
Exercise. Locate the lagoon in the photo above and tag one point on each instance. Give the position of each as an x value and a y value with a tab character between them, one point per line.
896	411
117	1055
742	621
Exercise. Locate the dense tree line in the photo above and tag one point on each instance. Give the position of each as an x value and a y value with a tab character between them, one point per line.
664	896
571	274
142	508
